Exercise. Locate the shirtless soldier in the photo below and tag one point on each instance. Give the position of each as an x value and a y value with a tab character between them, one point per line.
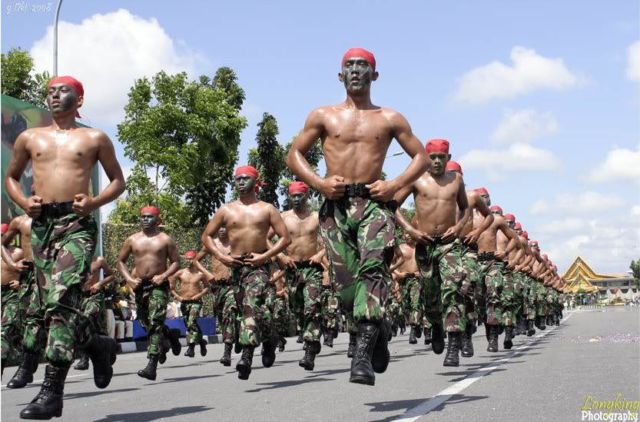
248	221
224	295
440	201
63	238
188	286
92	304
155	259
302	261
356	219
407	275
12	308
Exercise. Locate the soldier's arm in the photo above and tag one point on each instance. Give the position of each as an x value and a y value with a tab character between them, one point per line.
123	257
174	258
413	147
172	284
312	131
109	162
19	160
482	208
7	238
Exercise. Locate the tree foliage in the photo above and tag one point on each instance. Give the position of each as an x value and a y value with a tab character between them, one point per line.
313	156
635	270
268	158
18	81
183	136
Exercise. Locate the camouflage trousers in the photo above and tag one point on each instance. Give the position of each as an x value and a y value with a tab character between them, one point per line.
444	280
257	295
305	298
62	251
529	299
191	312
511	297
281	315
226	309
359	237
412	299
474	291
151	308
394	309
330	304
492	276
12	320
92	306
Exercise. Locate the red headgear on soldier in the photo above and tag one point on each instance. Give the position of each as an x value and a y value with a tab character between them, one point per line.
298	187
150	210
481	191
68	80
437	145
497	208
359	52
518	226
248	170
525	234
5	228
190	254
510	217
453	166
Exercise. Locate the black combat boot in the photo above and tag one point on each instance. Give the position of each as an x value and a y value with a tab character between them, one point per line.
508	338
381	356
24	374
268	354
427	336
149	372
394	329
437	339
102	351
226	355
308	361
521	327
351	350
48	402
281	343
203	347
412	334
558	316
492	336
361	368
244	364
174	339
467	343
190	352
300	340
540	323
453	350
402	326
530	330
83	362
328	337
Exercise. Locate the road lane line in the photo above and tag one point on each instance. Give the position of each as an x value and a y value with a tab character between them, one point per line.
428	405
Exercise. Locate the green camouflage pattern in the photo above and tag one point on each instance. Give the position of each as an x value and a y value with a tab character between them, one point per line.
529	299
330	304
257	297
359	236
471	286
304	297
12	319
151	308
493	277
225	306
191	312
281	315
413	302
62	251
92	306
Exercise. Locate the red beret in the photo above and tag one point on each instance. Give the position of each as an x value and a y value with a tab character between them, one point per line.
482	191
525	234
453	166
496	208
5	228
360	52
510	217
68	80
247	170
518	226
150	210
190	254
437	145
298	187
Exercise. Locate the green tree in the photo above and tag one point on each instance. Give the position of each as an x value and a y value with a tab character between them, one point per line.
268	157
635	270
313	156
183	136
18	81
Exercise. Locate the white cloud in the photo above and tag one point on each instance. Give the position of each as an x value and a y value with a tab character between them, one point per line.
107	52
523	126
577	204
621	164
635	211
633	61
528	72
564	225
516	158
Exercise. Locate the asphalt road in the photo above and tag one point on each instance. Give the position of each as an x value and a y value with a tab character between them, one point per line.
545	377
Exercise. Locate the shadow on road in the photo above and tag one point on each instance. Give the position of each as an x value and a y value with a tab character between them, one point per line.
96	393
285	384
405	405
181	379
153	415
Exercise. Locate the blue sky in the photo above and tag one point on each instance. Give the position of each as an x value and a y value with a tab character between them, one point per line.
540	99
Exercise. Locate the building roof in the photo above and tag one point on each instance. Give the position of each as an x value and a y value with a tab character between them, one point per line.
580	277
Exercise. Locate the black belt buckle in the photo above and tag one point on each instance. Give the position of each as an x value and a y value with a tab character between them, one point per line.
359	190
57	209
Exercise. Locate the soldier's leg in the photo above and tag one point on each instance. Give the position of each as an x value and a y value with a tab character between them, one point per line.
454	290
11	327
312	317
426	258
229	313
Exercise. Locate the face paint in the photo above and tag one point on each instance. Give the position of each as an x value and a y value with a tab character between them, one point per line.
222	233
357	74
244	183
61	98
438	162
486	199
298	200
148	220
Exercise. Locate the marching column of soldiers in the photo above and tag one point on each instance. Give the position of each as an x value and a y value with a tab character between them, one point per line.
359	264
